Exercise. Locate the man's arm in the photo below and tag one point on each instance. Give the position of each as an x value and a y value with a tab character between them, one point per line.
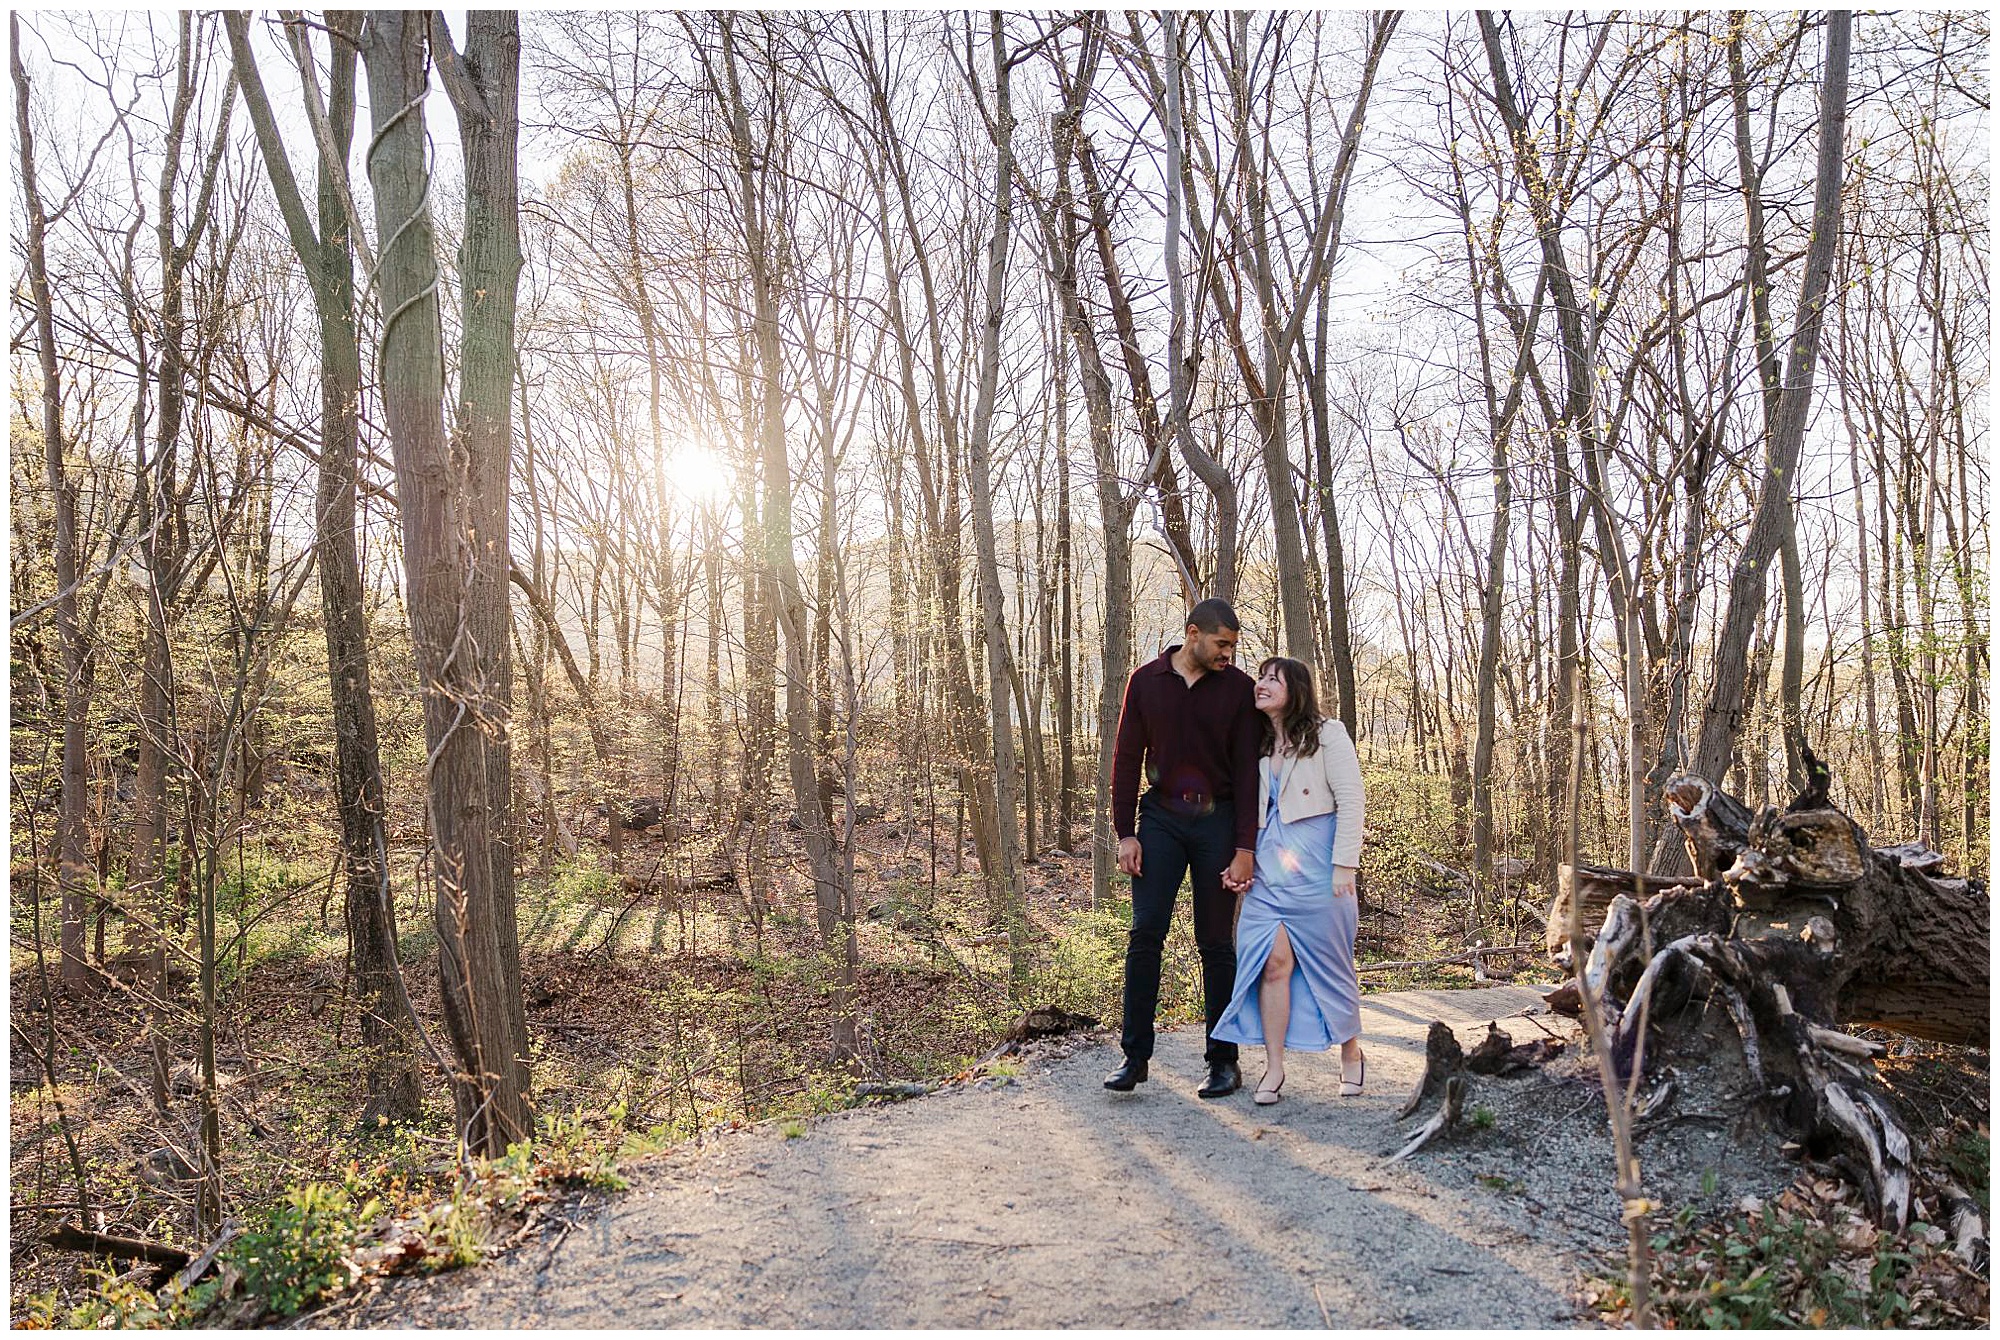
1245	734
1126	755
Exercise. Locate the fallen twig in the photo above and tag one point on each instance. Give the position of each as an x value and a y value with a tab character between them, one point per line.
1469	956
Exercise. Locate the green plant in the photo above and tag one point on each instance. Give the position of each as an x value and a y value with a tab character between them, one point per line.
569	1152
299	1252
114	1305
793	1129
1782	1265
1483	1117
454	1231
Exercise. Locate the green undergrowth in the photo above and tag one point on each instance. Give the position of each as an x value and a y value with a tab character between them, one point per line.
653	1018
1809	1258
404	1210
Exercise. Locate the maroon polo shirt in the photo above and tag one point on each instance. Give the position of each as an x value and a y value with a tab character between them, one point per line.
1199	742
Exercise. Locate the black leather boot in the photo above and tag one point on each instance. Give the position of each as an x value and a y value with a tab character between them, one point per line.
1223	1079
1126	1077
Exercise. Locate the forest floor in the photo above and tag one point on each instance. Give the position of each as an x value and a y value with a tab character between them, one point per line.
1033	1197
685	1040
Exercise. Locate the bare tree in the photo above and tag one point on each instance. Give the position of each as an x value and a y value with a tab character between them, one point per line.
325	250
452	495
75	879
1785	435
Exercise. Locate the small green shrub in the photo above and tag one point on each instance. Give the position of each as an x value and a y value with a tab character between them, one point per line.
298	1254
568	1152
454	1231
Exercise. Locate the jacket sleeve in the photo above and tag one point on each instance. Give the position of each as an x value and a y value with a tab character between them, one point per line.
1125	759
1245	739
1343	769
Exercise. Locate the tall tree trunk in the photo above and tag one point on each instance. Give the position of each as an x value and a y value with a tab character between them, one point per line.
1004	883
1062	236
387	1028
1066	627
1181	363
779	562
75	880
1722	718
160	515
1339	624
451	491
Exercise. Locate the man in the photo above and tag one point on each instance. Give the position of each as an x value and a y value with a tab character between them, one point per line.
1192	715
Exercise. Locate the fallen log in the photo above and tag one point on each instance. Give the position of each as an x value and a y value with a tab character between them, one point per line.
1596	886
72	1238
891	1089
1794	927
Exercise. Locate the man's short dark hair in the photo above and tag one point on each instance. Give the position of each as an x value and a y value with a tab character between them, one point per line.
1212	616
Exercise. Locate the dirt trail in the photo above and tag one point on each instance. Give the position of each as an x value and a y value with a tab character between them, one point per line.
1045	1201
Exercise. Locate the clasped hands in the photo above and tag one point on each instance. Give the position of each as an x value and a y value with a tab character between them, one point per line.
1235	877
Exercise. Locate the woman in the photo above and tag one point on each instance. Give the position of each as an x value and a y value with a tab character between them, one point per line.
1295	980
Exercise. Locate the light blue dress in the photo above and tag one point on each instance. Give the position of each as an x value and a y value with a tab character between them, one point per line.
1293	888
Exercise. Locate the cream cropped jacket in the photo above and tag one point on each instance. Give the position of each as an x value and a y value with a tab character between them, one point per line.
1326	782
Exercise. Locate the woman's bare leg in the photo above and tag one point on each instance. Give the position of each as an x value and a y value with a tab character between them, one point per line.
1274	999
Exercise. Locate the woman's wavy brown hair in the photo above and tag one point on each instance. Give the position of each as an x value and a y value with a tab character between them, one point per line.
1302	718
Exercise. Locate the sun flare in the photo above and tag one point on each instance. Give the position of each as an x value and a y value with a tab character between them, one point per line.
697	473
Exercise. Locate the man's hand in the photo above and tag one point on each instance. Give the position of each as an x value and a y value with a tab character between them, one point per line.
1343	881
1128	856
1237	877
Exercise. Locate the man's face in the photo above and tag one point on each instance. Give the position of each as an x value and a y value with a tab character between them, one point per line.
1211	651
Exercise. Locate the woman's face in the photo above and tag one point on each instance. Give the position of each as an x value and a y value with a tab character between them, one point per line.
1272	694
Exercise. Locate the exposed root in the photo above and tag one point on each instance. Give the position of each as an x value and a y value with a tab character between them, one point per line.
1659	1098
1455	1089
1867	1125
1620	933
1968	1229
1639	1006
1746	1029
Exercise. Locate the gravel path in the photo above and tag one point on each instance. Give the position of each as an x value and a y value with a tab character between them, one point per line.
1045	1201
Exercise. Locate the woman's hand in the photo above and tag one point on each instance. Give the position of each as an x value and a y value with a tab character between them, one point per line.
1343	881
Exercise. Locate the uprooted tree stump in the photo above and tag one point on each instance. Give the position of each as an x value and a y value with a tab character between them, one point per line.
1794	926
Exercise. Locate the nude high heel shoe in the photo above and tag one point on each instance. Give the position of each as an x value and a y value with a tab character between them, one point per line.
1351	1076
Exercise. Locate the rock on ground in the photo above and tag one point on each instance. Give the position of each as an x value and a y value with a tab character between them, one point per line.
1042	1200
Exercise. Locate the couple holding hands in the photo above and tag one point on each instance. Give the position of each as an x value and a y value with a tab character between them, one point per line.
1259	798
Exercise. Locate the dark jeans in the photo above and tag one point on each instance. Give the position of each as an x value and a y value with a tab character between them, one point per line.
1174	841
